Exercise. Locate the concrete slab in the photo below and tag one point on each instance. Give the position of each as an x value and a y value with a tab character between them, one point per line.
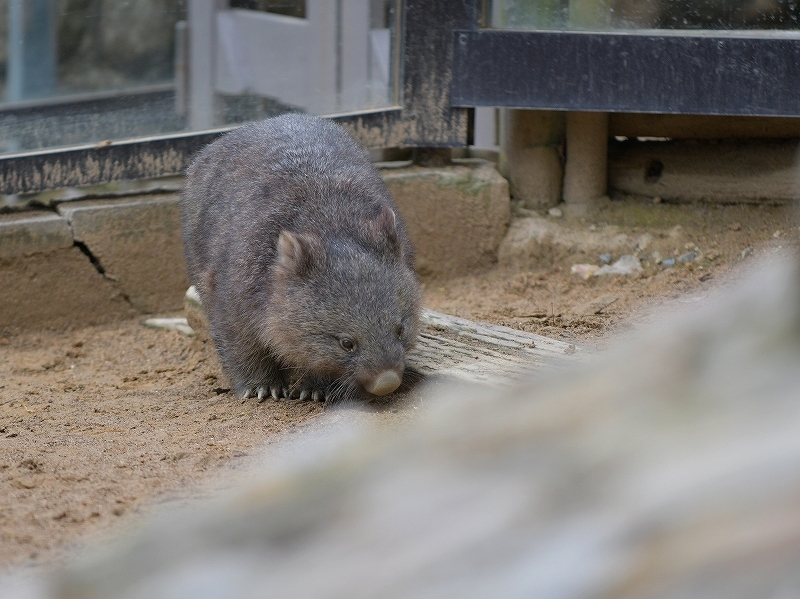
456	216
32	233
57	289
689	171
137	242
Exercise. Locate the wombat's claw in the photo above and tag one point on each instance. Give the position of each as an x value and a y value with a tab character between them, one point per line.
304	394
318	396
285	393
262	393
275	392
248	393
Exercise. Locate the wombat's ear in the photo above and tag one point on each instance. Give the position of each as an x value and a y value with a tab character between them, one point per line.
384	228
297	252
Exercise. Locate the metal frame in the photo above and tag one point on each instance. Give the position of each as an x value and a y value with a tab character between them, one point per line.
716	73
424	118
449	65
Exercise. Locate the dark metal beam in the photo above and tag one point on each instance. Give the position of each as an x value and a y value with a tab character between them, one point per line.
431	119
740	73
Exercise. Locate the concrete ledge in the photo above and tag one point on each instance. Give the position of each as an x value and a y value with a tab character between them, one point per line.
689	171
137	242
31	233
56	288
457	215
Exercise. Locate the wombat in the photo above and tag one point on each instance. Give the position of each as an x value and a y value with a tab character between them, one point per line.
301	261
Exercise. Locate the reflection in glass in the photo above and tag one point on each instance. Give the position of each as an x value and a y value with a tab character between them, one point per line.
645	14
83	71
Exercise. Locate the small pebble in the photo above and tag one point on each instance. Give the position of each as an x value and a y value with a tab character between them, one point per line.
605	258
657	200
668	262
555	212
626	265
777	234
735	226
176	324
747	251
687	257
584	271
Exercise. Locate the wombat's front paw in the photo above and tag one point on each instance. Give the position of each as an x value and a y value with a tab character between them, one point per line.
307	388
265	389
304	389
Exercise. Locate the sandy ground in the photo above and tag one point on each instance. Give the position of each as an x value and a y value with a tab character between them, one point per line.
101	425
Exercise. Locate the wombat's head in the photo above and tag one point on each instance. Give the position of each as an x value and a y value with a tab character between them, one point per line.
343	309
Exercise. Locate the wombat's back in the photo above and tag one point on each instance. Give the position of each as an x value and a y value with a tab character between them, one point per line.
294	172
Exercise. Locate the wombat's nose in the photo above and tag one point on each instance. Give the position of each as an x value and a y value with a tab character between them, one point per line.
386	382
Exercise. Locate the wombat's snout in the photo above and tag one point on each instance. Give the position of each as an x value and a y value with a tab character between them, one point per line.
383	384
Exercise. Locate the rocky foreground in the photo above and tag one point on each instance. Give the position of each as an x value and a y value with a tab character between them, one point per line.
666	467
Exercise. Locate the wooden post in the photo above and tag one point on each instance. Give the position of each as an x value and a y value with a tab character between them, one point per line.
586	170
532	162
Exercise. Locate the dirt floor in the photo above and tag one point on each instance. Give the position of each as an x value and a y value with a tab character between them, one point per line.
101	425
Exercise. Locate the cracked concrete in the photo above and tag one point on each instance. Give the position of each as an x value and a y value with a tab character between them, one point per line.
91	262
136	242
97	260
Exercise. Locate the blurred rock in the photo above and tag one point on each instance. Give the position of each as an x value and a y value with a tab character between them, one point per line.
626	265
555	212
668	467
584	271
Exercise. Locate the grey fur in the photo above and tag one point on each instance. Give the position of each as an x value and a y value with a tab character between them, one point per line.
294	242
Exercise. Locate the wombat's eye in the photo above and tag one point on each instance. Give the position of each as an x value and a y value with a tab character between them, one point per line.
347	344
399	330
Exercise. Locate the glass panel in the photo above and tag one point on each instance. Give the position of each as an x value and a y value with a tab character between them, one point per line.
644	14
85	71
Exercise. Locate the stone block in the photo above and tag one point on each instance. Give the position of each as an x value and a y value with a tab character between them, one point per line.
32	233
137	242
456	216
688	171
56	289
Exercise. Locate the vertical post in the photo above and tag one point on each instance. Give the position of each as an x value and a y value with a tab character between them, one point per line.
324	66
181	68
586	171
202	59
354	57
531	158
31	49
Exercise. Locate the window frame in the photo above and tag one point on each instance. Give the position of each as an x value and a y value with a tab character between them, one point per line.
422	117
735	73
